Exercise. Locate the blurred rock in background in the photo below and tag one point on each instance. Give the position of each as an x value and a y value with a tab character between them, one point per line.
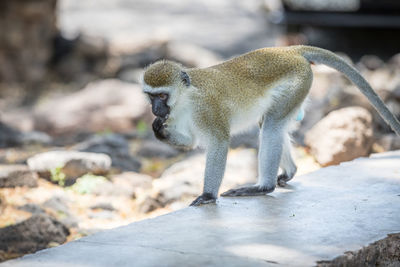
113	145
38	232
342	135
110	105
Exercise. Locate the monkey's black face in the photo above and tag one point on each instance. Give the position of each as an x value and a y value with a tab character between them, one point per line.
159	105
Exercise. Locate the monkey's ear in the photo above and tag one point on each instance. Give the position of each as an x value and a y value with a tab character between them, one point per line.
185	78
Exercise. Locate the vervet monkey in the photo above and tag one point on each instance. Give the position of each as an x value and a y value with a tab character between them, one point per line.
204	106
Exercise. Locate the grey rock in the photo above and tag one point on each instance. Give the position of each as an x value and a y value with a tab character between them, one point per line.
32	208
17	175
389	142
103	215
123	185
342	135
15	116
108	188
114	145
395	94
31	235
103	105
68	140
131	75
35	137
9	137
57	204
150	204
72	163
383	80
70	221
103	206
394	62
371	62
155	148
128	184
134	180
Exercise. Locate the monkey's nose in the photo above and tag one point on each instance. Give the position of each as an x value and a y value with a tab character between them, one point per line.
160	111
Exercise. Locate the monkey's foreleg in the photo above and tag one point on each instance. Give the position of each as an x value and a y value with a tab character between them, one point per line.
269	157
215	167
179	140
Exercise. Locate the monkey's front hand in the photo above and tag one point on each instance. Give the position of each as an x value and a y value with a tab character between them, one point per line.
159	128
205	198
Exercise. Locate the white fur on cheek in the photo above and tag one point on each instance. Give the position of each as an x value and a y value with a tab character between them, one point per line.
181	115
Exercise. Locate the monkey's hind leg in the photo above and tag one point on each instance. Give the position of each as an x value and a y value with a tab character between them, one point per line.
287	164
269	158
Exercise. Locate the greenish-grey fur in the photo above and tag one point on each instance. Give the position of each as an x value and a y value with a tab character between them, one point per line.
162	73
269	83
243	80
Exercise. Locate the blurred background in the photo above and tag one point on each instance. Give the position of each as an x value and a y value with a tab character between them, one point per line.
77	154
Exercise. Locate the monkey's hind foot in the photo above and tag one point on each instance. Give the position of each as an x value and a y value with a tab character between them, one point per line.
254	190
283	179
205	198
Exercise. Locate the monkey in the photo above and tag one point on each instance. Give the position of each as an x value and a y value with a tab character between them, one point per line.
205	106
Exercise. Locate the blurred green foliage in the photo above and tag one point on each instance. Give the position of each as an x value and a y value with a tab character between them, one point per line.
58	176
87	183
142	128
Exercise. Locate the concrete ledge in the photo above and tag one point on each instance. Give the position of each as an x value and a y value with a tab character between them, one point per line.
316	217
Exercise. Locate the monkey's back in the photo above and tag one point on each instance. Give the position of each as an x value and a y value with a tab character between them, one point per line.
244	83
251	74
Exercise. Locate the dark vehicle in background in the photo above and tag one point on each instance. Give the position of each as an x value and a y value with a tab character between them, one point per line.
356	27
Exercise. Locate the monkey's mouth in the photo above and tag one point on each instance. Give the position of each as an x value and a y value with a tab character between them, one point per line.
162	119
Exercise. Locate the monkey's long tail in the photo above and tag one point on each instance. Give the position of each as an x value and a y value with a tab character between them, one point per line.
322	56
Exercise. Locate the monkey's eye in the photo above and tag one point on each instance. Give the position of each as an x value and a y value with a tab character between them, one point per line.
163	96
